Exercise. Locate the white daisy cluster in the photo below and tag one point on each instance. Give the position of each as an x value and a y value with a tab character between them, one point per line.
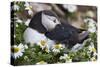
66	58
92	51
28	8
91	25
49	44
70	8
17	50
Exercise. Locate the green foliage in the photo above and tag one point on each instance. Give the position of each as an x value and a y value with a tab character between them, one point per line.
19	33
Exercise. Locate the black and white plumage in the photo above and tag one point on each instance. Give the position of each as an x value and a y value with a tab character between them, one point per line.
35	31
39	20
48	23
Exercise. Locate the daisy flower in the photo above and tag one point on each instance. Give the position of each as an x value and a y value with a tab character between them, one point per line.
46	44
42	44
92	48
27	22
29	8
18	20
66	57
17	51
15	7
91	25
56	48
41	62
70	8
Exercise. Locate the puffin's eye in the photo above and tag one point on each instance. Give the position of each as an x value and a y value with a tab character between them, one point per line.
54	20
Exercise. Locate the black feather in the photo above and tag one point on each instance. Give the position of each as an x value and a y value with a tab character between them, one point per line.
66	34
36	23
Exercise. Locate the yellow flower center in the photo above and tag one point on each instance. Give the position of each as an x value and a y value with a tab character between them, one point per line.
43	42
30	7
41	62
46	49
93	49
57	46
15	50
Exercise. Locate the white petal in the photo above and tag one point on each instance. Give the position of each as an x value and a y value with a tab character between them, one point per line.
15	7
70	8
26	47
27	22
20	54
30	12
20	46
18	20
14	46
27	4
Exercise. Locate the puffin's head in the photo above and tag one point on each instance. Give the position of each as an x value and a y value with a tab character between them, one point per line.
44	21
49	20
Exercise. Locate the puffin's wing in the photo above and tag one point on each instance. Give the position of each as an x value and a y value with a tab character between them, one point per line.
61	33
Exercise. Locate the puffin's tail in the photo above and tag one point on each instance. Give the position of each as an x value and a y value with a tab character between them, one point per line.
82	36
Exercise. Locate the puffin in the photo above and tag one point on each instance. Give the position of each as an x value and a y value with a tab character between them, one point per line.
47	25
